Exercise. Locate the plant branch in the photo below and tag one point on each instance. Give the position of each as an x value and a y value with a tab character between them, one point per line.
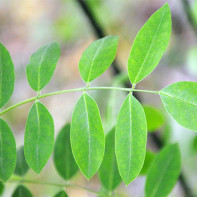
67	185
74	90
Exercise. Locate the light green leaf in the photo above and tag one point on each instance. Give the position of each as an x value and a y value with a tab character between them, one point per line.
164	172
39	137
42	65
180	100
150	45
108	172
87	136
63	157
61	194
7	151
22	191
21	164
98	57
154	117
7	76
130	139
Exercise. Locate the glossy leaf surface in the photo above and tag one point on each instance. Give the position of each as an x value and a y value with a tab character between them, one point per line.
130	139
39	137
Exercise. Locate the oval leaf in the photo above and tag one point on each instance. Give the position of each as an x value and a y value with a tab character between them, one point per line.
39	137
130	139
98	57
7	76
154	117
87	136
150	45
164	172
21	164
42	65
180	100
22	191
7	151
63	157
61	194
108	172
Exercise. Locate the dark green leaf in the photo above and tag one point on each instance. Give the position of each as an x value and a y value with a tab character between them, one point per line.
87	136
63	157
108	172
98	57
61	194
7	151
150	45
39	137
1	188
42	65
21	164
130	139
7	77
22	191
154	117
164	172
180	100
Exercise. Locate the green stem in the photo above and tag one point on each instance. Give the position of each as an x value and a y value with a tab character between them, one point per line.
67	185
74	90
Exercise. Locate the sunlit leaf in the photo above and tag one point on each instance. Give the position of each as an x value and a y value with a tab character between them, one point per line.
180	100
39	137
42	65
164	172
150	45
7	77
87	136
7	151
108	172
130	139
61	194
97	58
21	164
63	157
22	191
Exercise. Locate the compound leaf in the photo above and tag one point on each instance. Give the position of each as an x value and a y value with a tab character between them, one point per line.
130	139
98	57
42	65
63	157
164	172
108	172
150	45
87	136
22	191
7	151
21	164
39	137
7	76
180	100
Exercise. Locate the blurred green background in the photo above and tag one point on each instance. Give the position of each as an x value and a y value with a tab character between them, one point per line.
25	25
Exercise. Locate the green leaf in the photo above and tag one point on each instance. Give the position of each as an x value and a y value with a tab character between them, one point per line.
1	188
7	76
98	57
154	117
7	151
22	191
42	65
87	136
61	194
108	172
147	163
39	137
130	139
63	157
180	100
21	164
150	45
192	59
164	172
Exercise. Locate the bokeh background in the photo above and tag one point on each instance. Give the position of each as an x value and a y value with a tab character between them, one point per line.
26	25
